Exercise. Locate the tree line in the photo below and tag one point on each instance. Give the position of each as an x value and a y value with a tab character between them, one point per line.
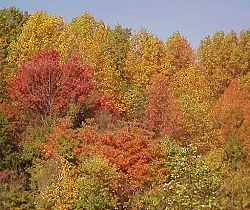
95	117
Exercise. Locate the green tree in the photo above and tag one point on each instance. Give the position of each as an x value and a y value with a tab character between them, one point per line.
11	23
5	144
189	183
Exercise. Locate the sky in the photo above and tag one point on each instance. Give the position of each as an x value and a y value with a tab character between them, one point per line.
194	19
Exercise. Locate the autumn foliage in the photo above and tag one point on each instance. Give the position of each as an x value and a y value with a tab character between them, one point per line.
44	87
131	152
163	114
99	117
231	113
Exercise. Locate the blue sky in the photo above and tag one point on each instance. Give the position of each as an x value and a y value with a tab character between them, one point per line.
192	18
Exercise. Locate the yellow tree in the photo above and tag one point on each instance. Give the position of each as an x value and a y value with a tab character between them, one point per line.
179	53
39	32
194	94
101	47
84	35
223	58
112	77
146	58
242	54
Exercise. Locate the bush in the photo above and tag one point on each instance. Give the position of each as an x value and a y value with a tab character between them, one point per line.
189	184
234	151
6	149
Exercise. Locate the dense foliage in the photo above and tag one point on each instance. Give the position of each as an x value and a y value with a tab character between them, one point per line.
94	117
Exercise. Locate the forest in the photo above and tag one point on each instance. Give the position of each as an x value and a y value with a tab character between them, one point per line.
97	117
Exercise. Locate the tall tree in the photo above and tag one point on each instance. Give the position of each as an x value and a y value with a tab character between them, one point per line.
11	22
112	77
224	57
194	95
84	35
146	57
231	111
163	114
179	53
39	32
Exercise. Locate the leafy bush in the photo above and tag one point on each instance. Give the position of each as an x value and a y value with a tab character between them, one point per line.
95	174
234	151
6	149
189	184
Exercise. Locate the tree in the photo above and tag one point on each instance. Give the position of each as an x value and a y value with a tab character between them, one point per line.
12	20
112	77
85	185
145	58
189	184
194	95
85	36
231	112
243	53
116	47
43	87
131	151
163	114
40	31
179	53
224	57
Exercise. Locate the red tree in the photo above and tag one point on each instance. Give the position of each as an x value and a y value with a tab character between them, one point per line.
44	87
163	114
